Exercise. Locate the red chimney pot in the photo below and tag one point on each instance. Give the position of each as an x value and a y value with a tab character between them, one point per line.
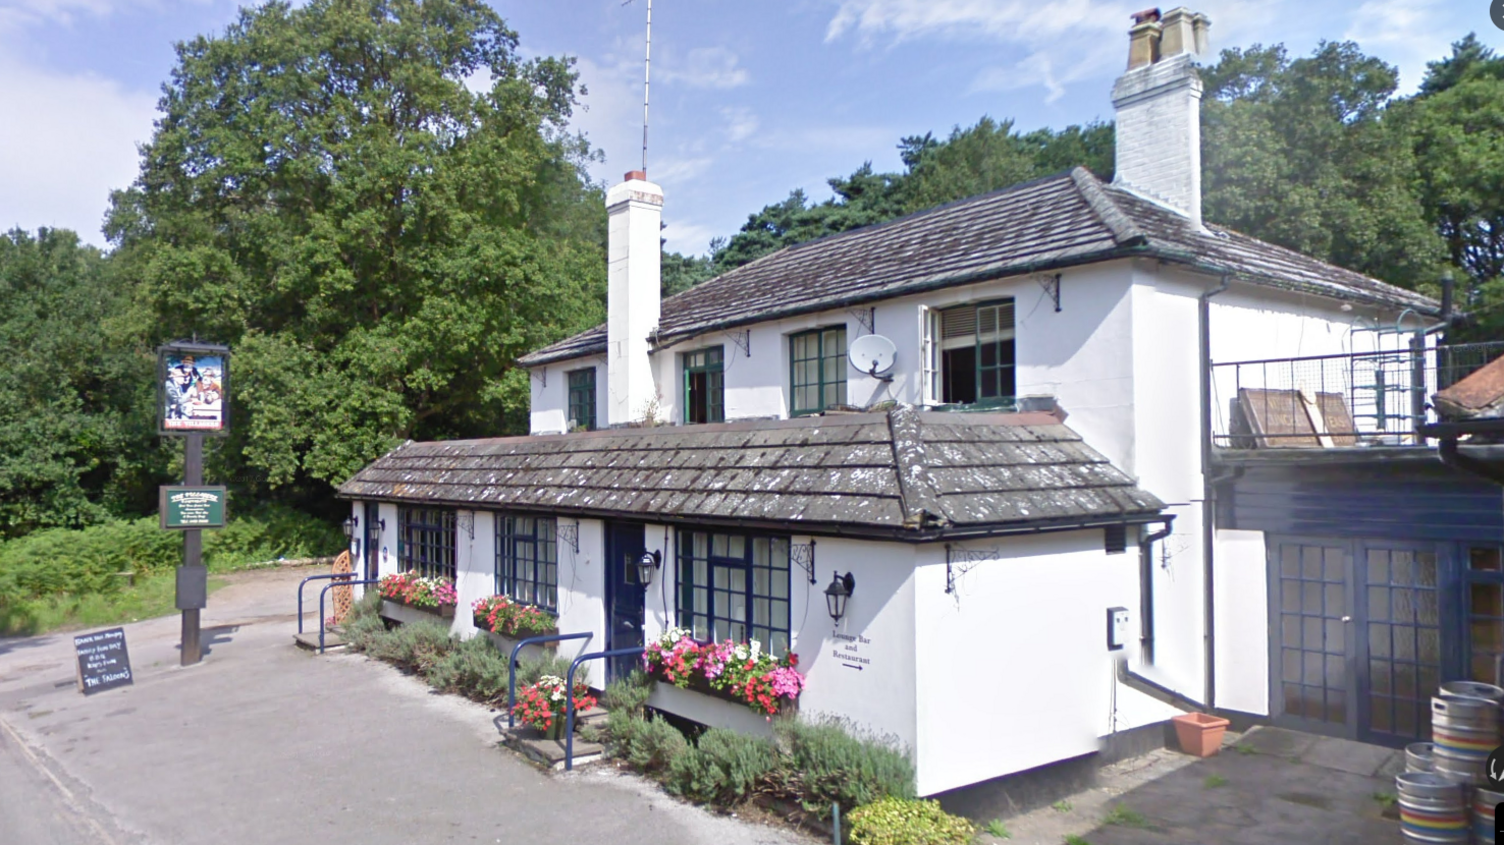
1145	15
636	174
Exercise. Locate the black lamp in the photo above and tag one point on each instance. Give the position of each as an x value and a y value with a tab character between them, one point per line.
648	562
348	526
840	589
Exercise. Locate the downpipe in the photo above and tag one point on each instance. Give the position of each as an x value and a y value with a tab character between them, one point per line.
1208	493
1146	588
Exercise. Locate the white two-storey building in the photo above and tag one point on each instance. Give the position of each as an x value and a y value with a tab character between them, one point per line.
1035	461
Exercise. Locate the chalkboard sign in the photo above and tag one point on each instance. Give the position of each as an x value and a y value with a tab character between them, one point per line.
102	661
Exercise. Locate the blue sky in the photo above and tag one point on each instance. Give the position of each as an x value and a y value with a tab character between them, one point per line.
749	99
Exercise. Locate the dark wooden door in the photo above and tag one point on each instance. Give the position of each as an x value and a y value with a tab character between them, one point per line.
373	540
625	595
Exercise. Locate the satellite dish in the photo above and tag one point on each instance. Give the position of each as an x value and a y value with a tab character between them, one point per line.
874	355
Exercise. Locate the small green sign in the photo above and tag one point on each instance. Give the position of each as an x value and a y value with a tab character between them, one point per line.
183	508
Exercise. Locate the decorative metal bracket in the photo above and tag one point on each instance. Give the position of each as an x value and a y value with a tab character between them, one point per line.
1051	285
741	340
466	521
959	561
866	318
571	535
543	375
802	555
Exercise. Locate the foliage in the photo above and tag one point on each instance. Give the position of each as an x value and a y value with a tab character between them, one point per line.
363	625
682	272
474	669
325	192
741	670
629	693
545	702
150	596
722	767
829	761
1214	780
77	437
998	830
416	646
907	821
1122	815
501	615
648	745
415	590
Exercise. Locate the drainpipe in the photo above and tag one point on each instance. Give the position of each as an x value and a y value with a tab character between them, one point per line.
1146	588
1208	492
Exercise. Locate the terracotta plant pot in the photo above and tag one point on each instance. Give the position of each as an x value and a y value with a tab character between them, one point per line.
1200	734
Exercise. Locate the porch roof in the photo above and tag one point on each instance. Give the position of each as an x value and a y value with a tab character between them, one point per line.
904	473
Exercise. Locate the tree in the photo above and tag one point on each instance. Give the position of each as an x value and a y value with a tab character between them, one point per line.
1470	59
75	425
1308	154
379	242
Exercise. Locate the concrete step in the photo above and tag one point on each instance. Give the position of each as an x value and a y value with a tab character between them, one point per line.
550	752
593	716
310	640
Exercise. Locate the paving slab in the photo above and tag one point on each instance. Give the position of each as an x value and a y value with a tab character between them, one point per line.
1352	757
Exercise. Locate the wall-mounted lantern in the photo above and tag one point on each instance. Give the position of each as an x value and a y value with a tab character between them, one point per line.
348	526
840	589
646	564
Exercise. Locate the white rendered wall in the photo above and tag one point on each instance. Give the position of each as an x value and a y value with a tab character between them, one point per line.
1242	621
474	566
635	210
1013	670
550	394
582	590
1158	133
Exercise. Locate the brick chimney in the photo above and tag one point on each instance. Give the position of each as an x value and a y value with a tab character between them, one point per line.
634	209
1158	103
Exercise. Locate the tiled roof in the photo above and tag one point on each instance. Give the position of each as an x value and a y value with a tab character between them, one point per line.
905	473
1062	220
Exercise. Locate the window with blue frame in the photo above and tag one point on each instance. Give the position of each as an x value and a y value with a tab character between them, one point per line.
734	586
425	541
527	559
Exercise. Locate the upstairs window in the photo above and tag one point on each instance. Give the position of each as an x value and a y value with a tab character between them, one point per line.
425	542
582	399
817	361
969	355
704	386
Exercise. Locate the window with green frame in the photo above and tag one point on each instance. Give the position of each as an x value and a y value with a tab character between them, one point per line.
817	365
704	386
582	399
734	586
976	354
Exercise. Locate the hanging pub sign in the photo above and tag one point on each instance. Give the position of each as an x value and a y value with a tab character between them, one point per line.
184	506
193	381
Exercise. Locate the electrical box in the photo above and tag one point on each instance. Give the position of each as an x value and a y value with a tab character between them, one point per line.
1117	628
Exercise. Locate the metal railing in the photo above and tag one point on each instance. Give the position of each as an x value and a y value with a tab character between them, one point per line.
323	627
324	577
512	666
569	702
1376	398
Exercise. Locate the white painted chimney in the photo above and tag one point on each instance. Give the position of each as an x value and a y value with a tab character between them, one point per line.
634	209
1158	103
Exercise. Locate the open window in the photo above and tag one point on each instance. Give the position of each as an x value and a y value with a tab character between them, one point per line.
969	354
704	386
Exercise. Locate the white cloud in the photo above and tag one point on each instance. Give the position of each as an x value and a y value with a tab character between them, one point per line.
1009	20
611	115
1405	33
688	238
68	140
676	170
741	123
707	67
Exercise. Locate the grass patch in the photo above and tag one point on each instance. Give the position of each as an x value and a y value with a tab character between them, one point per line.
1073	839
150	597
1213	781
1124	816
1061	806
1386	799
1245	749
996	828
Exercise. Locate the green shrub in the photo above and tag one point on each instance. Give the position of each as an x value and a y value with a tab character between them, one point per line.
629	693
647	745
364	624
828	761
268	534
416	646
722	767
530	669
905	821
474	669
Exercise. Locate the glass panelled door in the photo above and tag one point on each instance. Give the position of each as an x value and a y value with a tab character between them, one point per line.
1484	606
1403	642
1314	688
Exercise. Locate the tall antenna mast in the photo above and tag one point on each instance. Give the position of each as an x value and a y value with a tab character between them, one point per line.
647	67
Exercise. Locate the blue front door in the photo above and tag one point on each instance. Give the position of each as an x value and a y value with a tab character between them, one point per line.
625	595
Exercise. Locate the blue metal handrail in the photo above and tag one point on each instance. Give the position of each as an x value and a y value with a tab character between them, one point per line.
512	666
327	588
569	699
324	577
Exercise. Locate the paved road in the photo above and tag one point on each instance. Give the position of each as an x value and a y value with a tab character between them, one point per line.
263	743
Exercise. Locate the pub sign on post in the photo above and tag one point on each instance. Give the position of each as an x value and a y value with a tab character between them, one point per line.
191	506
193	386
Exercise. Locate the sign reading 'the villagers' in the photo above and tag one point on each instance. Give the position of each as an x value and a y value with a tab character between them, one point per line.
103	662
194	380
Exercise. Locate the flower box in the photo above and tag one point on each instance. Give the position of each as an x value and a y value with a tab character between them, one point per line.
408	614
505	644
739	673
711	709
